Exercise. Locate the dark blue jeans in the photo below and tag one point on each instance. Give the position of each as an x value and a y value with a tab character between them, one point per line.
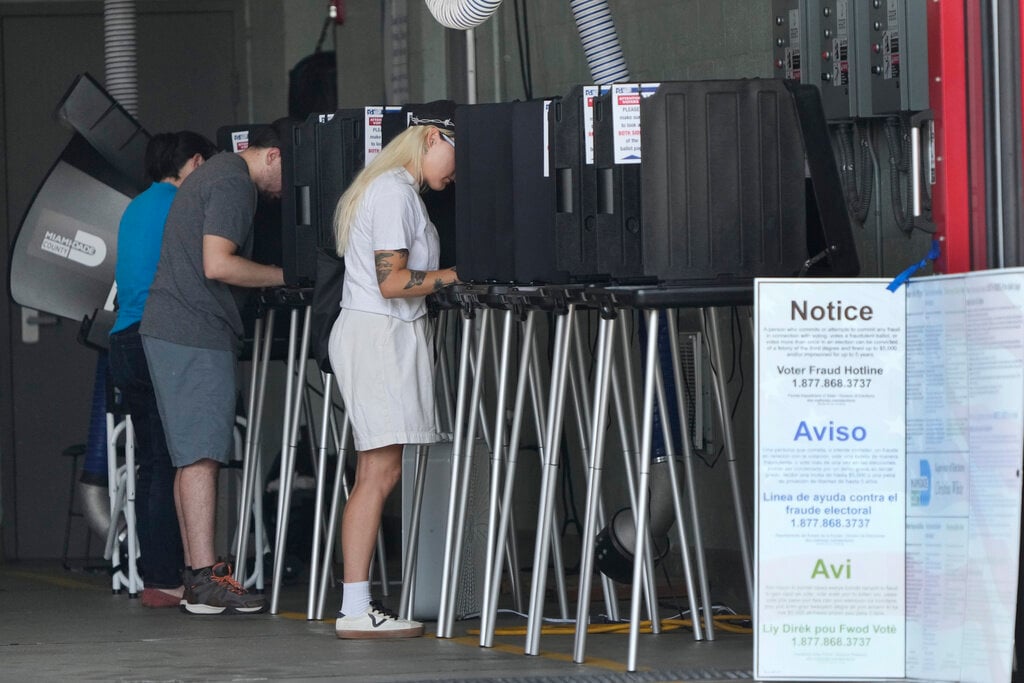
161	559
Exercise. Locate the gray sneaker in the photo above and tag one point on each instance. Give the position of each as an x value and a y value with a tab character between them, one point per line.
186	581
212	590
379	622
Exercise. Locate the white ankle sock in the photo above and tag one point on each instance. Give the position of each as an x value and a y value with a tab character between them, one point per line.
355	598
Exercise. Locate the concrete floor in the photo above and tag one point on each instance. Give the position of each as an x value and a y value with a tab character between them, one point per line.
67	625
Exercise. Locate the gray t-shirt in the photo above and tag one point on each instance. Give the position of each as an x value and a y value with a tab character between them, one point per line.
185	307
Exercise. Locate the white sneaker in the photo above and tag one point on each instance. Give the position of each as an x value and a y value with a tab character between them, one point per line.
379	622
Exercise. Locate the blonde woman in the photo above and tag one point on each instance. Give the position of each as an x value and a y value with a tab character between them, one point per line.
379	345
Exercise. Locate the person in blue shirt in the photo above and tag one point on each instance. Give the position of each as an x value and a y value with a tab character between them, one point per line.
170	158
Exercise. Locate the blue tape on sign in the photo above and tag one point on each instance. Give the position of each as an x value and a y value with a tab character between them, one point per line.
902	278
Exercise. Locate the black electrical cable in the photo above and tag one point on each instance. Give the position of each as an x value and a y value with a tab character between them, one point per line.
529	57
688	395
570	514
896	165
714	371
864	174
855	169
841	144
738	354
523	42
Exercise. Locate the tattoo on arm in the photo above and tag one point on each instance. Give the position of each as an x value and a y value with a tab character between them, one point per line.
438	284
382	262
416	278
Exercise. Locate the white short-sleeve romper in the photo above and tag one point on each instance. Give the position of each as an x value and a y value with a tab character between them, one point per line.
381	349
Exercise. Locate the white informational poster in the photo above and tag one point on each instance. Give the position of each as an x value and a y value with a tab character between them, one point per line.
546	150
960	402
626	119
589	95
239	140
830	480
373	133
791	62
965	427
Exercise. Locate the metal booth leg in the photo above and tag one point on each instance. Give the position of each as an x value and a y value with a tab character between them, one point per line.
407	598
497	541
251	458
677	501
327	381
463	457
626	409
293	406
549	476
408	594
339	489
605	345
498	454
445	616
540	419
643	492
581	397
722	403
691	486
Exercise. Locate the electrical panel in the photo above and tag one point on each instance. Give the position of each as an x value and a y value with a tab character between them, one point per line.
789	42
897	44
868	57
844	82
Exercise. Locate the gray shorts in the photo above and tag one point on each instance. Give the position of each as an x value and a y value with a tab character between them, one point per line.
385	373
196	395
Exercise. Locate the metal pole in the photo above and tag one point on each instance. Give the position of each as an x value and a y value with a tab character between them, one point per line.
443	616
691	486
605	344
321	475
488	615
563	334
488	604
715	344
643	492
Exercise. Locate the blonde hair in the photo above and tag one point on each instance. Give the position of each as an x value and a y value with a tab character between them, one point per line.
407	148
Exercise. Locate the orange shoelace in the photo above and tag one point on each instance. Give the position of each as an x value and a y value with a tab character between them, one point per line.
229	582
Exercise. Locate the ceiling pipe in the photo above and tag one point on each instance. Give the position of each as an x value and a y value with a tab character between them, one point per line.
462	14
594	22
119	54
121	66
600	41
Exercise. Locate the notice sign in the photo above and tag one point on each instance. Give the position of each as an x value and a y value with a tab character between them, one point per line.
829	357
830	480
965	427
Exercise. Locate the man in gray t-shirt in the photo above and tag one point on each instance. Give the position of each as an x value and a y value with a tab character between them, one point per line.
191	331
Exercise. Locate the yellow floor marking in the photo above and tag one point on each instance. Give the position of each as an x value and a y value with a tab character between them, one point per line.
61	581
297	616
609	664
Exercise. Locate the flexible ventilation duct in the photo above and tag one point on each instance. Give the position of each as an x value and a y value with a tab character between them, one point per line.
462	14
121	66
593	21
119	53
600	41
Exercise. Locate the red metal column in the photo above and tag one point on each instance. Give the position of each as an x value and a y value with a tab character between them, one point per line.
958	196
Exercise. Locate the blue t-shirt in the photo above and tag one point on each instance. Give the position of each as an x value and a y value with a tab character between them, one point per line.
138	250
